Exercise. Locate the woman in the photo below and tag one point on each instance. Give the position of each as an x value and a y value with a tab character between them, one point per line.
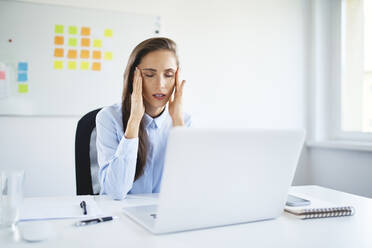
132	136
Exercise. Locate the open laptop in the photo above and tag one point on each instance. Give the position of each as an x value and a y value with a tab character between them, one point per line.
216	177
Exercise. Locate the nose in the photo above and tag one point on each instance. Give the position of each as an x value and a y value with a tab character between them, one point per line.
161	82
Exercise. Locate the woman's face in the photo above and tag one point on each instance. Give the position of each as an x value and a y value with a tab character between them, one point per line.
158	71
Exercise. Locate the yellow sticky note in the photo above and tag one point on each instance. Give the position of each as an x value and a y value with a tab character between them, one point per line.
71	65
72	30
96	66
84	65
108	56
108	33
72	41
58	64
59	29
22	88
97	43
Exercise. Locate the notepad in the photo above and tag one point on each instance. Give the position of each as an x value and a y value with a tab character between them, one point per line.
57	208
319	209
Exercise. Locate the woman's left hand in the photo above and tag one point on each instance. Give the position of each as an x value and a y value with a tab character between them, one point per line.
175	102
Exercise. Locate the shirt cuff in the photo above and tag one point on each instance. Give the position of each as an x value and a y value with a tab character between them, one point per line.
127	146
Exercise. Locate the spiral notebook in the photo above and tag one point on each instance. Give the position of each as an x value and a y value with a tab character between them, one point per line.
319	209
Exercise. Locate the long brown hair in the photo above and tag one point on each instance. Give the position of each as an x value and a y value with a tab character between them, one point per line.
141	50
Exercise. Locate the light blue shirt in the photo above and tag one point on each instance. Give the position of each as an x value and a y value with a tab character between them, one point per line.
117	155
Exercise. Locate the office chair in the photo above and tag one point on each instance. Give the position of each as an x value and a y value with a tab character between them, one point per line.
86	164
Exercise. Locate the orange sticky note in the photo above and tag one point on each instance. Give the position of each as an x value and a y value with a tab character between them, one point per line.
58	52
84	54
58	40
85	42
96	66
96	54
85	31
72	54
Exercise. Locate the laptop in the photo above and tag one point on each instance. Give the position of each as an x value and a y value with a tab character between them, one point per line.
217	177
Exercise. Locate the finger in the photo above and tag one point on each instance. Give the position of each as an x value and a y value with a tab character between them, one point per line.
181	87
136	83
177	79
139	78
171	98
134	86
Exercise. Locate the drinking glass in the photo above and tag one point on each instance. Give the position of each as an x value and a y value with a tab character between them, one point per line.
11	196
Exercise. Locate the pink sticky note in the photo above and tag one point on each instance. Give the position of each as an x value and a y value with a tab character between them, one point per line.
2	75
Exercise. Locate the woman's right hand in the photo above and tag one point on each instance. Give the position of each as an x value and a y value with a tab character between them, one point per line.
137	107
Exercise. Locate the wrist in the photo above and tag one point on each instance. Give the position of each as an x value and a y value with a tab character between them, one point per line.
134	122
132	129
178	122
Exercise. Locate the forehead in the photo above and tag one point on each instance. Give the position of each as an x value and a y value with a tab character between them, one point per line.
159	60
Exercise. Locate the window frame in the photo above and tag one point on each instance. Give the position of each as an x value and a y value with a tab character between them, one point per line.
336	133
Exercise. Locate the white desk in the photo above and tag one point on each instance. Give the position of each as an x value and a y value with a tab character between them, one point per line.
286	231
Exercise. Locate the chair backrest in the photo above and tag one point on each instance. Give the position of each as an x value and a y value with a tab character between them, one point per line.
86	165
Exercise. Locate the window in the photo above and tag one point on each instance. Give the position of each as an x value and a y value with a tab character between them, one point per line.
355	105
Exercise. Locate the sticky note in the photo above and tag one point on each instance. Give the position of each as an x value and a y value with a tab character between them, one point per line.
108	33
85	42
59	29
96	54
58	52
96	66
2	75
72	30
108	56
58	64
22	77
97	43
71	65
72	54
85	31
84	54
58	40
22	88
22	66
72	42
84	65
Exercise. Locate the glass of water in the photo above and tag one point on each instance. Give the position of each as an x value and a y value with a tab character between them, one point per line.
11	196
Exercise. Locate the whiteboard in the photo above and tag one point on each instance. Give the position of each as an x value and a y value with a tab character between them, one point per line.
65	61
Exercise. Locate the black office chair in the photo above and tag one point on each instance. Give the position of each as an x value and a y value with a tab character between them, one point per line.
86	165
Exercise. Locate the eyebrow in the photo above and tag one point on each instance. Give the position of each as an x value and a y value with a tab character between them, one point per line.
154	70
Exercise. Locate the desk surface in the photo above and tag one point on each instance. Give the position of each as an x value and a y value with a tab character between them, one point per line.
285	231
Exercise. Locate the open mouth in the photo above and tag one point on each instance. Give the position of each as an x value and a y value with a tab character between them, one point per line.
159	96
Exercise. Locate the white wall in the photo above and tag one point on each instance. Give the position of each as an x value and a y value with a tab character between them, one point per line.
245	63
349	171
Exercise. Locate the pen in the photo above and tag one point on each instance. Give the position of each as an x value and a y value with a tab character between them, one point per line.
94	221
83	205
